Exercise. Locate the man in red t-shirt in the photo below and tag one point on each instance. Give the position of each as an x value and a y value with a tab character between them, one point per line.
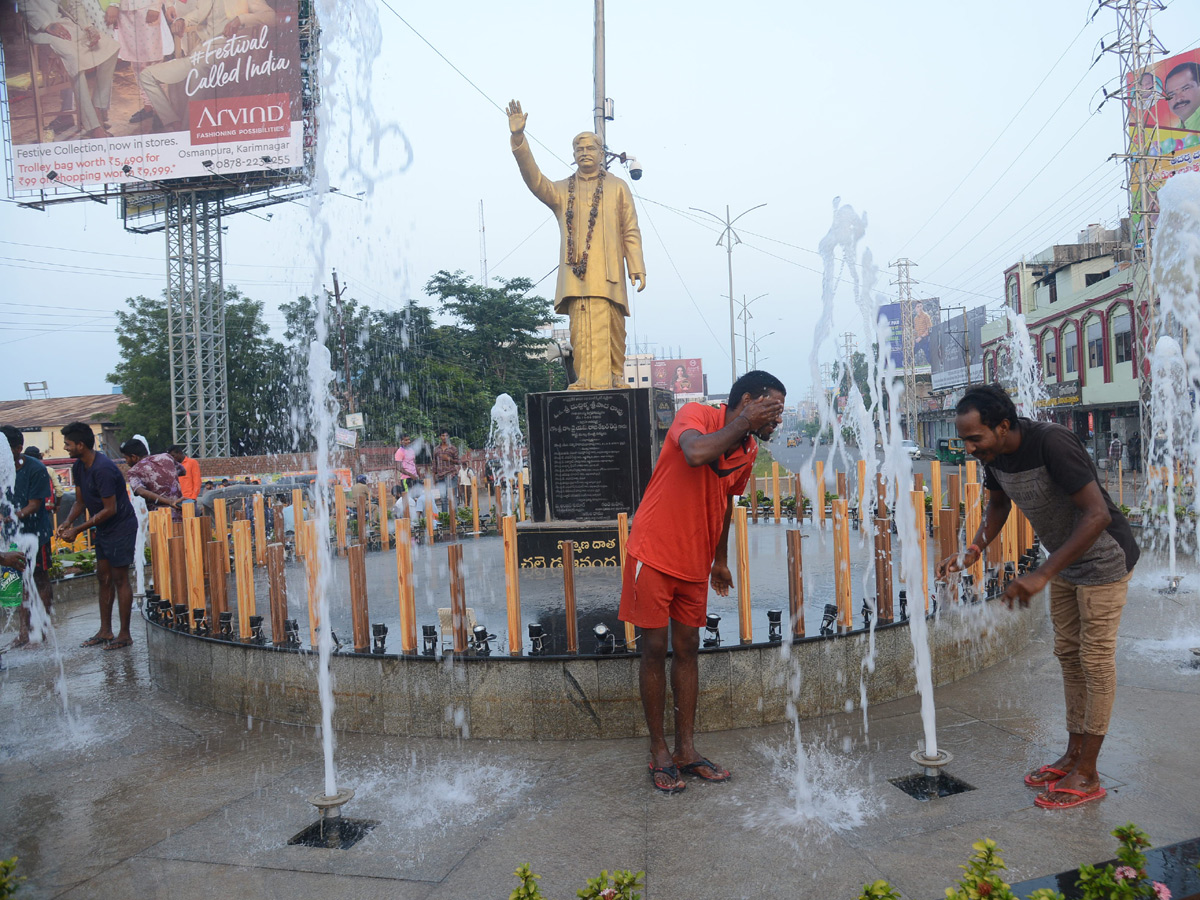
679	546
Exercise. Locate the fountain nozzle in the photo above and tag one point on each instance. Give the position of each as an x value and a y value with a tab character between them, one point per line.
931	765
330	805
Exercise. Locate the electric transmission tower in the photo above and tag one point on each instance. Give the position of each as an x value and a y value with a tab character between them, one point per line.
905	282
1136	48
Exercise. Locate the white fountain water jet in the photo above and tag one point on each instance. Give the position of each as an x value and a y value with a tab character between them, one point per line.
1025	372
139	546
505	444
40	627
1176	358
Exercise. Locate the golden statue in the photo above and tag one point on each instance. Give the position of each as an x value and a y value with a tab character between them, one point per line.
599	237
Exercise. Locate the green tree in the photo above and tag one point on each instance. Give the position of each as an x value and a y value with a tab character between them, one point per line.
256	368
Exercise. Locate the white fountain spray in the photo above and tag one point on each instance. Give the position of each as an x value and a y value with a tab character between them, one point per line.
1025	372
504	445
1176	357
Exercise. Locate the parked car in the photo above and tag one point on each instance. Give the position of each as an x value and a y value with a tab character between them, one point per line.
912	448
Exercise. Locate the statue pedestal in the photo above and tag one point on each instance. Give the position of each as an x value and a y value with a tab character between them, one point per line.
590	458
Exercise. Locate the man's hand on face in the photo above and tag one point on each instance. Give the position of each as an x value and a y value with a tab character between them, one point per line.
761	411
721	579
516	118
1023	589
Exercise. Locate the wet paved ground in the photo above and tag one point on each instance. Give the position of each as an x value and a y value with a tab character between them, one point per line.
139	796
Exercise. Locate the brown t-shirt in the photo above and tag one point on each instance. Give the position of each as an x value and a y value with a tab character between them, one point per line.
1050	465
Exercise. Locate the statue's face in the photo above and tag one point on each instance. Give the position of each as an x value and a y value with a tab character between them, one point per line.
587	155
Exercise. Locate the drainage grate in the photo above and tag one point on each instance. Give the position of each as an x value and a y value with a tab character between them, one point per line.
926	788
334	834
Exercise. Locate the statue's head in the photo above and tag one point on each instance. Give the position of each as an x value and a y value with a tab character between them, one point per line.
589	152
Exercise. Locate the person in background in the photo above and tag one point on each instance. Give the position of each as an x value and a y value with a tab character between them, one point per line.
153	478
100	490
1114	456
445	468
30	494
1045	470
406	463
189	481
140	30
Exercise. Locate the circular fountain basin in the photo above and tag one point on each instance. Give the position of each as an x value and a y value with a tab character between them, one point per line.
560	696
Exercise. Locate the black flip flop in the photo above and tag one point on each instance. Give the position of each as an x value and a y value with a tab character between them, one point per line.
693	769
95	641
670	771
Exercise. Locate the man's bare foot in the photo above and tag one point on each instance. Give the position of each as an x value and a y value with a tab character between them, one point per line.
97	640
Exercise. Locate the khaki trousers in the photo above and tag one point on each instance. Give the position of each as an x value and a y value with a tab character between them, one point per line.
598	343
1085	620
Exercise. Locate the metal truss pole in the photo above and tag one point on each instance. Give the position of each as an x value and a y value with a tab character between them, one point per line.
196	323
1136	48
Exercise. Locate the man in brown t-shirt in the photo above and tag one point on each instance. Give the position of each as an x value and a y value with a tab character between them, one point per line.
1046	471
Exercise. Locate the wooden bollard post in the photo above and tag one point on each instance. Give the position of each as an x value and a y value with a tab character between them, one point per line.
841	487
221	523
884	600
475	506
405	587
218	587
935	492
458	599
260	531
753	487
160	564
277	592
568	558
297	522
360	621
178	569
512	585
452	511
193	553
947	533
622	540
972	471
521	495
819	500
841	563
742	543
881	507
775	498
918	503
385	538
362	512
954	498
973	515
312	571
430	510
243	567
795	564
864	514
339	518
277	530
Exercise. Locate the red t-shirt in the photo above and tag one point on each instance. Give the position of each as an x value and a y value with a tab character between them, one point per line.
678	524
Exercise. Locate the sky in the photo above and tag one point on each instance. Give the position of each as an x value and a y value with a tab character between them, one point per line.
969	134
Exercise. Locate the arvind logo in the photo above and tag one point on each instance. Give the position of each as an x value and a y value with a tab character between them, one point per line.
240	118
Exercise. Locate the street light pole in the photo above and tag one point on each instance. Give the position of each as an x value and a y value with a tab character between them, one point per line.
730	237
746	317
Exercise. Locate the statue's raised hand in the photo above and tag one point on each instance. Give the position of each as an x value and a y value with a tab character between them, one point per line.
516	118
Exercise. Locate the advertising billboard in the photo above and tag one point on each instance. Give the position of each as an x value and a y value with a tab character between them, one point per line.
952	344
925	315
680	376
195	88
1165	96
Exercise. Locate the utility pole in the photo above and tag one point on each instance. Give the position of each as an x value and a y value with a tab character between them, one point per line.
1136	48
730	237
746	317
337	297
599	103
905	282
483	268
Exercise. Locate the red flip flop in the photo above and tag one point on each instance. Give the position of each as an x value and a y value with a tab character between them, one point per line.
1044	801
1042	771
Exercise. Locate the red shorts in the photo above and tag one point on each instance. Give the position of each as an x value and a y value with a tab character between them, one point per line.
650	598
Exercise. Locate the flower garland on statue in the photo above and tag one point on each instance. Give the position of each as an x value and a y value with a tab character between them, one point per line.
580	267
